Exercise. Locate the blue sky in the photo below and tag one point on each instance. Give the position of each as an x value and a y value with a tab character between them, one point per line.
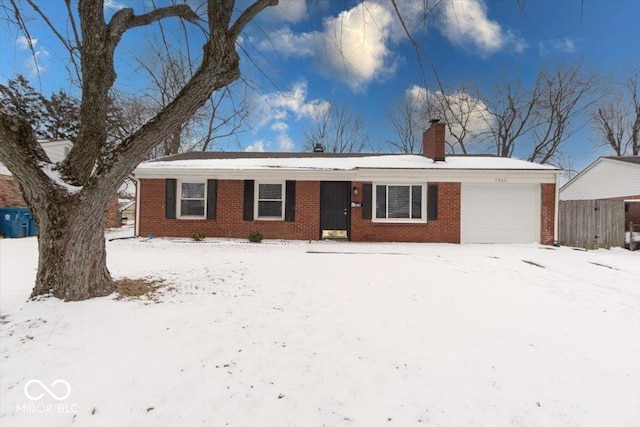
298	68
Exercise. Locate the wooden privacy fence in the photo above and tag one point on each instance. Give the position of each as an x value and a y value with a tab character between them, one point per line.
591	224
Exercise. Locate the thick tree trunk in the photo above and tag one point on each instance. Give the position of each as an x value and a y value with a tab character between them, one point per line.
72	264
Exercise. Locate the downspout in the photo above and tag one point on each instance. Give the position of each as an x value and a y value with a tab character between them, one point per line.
136	231
556	212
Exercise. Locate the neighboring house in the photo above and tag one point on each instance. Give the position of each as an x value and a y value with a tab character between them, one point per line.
361	197
127	209
611	178
10	194
57	150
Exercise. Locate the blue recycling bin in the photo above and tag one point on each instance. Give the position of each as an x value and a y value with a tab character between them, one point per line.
33	228
15	222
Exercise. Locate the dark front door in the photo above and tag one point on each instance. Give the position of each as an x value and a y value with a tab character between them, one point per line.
335	201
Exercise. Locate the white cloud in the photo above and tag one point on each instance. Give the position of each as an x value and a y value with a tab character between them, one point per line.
519	44
113	5
462	107
277	106
284	142
564	45
465	23
280	127
287	43
23	43
286	11
353	46
33	63
258	146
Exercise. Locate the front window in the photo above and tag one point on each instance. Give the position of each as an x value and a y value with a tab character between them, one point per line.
192	199
399	203
270	201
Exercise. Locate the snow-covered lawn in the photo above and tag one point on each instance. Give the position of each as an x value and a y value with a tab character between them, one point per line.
327	333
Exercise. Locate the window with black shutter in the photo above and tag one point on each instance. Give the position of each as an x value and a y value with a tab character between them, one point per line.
399	202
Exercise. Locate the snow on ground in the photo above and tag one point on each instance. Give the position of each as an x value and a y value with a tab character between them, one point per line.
328	333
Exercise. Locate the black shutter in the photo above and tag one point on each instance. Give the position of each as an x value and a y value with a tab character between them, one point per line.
212	194
170	198
366	201
248	200
432	203
290	202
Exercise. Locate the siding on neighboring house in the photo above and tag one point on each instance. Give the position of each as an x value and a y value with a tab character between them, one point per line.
56	150
10	194
606	178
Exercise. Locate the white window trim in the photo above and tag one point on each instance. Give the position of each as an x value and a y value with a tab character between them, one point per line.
256	191
423	209
179	199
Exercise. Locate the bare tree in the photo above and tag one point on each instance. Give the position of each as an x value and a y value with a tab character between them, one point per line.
535	123
221	116
510	112
567	93
404	118
617	122
338	130
464	114
68	200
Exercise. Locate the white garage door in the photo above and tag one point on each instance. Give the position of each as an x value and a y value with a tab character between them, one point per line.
500	213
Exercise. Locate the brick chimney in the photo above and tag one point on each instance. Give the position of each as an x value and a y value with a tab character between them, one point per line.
433	141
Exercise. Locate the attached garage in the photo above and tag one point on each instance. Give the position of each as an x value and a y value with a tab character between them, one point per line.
500	213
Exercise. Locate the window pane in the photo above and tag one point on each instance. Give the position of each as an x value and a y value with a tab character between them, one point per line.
192	190
192	207
416	201
270	191
270	209
398	201
381	201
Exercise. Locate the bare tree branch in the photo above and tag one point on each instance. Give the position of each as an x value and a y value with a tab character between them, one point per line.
125	19
617	122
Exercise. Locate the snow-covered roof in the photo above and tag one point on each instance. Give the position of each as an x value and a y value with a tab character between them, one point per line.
333	161
628	159
56	149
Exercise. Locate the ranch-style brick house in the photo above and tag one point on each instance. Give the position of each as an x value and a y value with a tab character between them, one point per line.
360	197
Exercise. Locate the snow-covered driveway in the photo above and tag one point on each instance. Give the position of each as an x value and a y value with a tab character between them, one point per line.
324	333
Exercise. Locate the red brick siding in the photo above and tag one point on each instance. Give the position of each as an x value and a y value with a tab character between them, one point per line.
229	222
547	214
112	214
10	194
632	213
446	229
